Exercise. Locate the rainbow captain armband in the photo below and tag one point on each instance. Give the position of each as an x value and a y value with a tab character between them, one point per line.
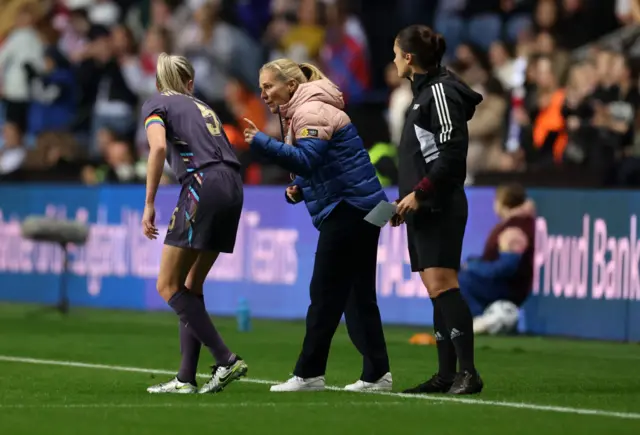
153	119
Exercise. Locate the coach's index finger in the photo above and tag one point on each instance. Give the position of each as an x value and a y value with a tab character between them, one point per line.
250	122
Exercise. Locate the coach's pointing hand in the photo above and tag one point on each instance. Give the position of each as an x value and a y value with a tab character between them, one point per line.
408	203
250	132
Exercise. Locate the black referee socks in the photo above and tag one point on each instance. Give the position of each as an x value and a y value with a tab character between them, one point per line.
447	359
459	322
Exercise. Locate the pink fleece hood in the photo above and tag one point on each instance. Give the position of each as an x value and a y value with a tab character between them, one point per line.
322	91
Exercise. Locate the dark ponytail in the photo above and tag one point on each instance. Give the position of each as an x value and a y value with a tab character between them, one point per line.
441	47
426	46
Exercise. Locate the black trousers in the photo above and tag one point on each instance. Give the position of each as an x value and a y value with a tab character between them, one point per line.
344	281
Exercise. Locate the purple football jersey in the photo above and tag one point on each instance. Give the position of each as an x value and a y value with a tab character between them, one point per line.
195	135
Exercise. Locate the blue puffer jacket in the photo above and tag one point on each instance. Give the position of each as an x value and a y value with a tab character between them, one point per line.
327	153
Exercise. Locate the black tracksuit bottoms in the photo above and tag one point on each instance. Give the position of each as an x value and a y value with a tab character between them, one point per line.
344	281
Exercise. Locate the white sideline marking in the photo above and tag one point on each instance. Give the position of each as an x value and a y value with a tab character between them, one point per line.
196	405
527	406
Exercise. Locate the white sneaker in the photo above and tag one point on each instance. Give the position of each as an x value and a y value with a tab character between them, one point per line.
383	384
174	386
299	384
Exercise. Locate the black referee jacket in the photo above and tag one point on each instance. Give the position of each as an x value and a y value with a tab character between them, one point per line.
433	148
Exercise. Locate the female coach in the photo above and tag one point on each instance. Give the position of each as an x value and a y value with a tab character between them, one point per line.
432	170
339	186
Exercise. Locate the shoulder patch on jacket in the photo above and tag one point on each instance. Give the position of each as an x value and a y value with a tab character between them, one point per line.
309	132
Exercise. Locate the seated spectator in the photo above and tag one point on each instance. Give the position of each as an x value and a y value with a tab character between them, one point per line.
282	22
486	132
578	112
546	17
213	47
75	28
119	166
623	110
468	56
22	46
605	135
344	56
243	103
116	102
622	120
502	61
55	158
139	72
549	131
546	46
305	39
399	101
505	269
104	138
605	89
53	94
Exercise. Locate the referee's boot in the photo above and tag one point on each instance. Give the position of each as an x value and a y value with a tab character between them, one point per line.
437	384
466	382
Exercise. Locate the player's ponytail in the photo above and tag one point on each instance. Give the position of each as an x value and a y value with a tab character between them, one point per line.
174	73
440	47
286	69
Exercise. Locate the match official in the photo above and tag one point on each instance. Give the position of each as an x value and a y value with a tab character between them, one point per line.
433	204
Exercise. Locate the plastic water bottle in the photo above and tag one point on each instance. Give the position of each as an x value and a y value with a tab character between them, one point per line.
243	315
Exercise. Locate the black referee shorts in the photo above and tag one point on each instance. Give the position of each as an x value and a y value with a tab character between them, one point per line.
435	237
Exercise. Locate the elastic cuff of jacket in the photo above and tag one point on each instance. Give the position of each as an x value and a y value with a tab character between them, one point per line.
423	188
287	198
260	139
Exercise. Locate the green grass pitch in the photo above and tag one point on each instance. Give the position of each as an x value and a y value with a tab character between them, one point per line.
87	374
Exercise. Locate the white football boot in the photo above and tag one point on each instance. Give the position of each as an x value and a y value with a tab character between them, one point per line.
297	383
383	384
174	386
224	375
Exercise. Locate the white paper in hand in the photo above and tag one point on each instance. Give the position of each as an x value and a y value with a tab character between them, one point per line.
381	214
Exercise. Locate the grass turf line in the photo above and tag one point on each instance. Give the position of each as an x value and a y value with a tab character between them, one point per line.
441	398
548	373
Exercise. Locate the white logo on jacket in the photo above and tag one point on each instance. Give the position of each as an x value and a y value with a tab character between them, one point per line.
428	144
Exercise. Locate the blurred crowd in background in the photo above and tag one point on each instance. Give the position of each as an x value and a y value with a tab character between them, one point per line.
559	79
